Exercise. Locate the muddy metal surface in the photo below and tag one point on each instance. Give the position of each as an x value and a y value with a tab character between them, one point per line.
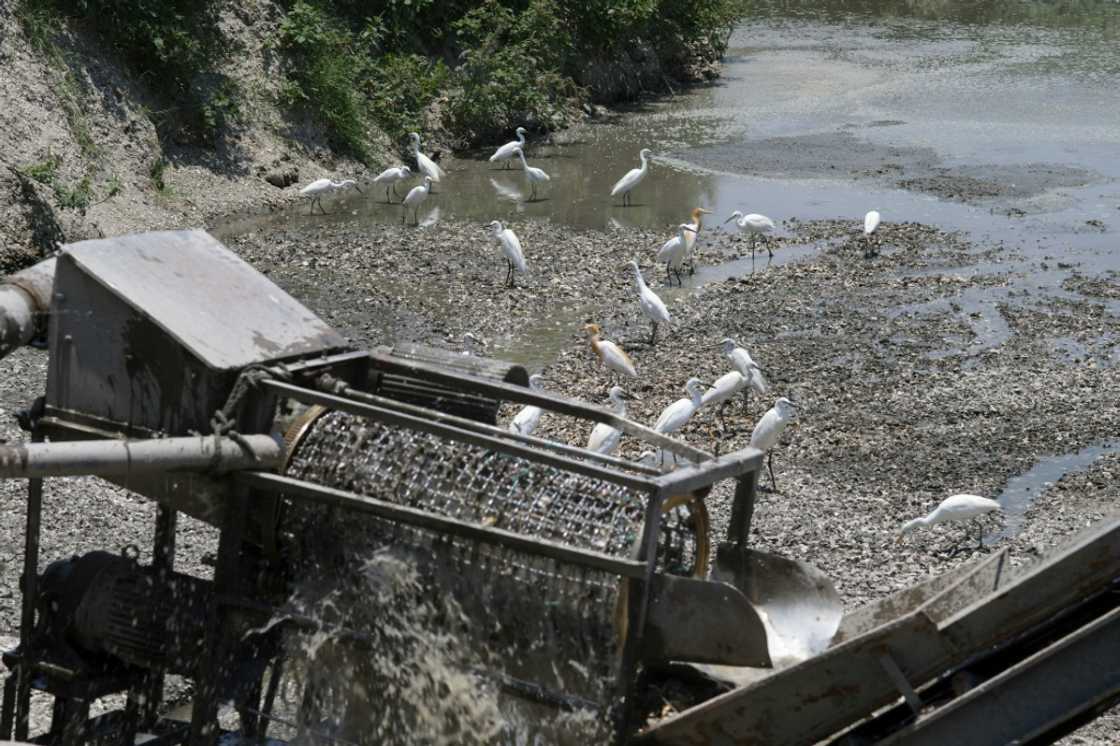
976	352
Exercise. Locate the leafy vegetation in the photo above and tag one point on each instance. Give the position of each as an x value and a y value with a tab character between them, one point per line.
70	196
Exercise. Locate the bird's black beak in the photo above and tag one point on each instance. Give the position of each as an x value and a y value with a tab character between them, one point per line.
359	189
725	222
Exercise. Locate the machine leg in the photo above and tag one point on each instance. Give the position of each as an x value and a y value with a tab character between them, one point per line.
23	671
742	509
75	715
7	709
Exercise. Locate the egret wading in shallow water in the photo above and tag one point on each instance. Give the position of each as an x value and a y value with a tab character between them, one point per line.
426	165
414	199
507	151
526	421
511	250
609	353
533	175
604	438
389	177
742	361
316	189
870	224
690	237
769	430
954	510
754	224
632	178
674	416
652	306
672	253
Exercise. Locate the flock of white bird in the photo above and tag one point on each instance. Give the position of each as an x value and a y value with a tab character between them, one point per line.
746	375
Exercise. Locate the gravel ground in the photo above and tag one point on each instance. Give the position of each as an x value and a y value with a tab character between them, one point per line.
890	424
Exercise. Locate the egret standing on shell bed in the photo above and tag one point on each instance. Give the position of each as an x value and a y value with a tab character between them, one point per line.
534	175
952	510
316	189
526	421
870	224
511	250
742	361
426	165
725	387
754	224
652	306
390	176
414	199
769	430
672	253
632	178
674	416
604	438
507	151
611	354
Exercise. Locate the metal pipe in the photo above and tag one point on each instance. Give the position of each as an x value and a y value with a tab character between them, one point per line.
23	297
200	453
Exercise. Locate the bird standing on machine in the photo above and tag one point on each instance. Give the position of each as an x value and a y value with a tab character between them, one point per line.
609	353
674	416
955	509
632	178
769	430
390	176
652	306
414	199
532	174
511	250
604	438
672	253
690	237
427	166
507	151
316	189
526	421
754	224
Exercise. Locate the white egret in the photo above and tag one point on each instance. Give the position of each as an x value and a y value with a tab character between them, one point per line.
952	510
511	250
316	189
427	166
870	224
674	416
672	252
526	421
632	178
534	175
604	438
609	353
390	176
769	430
414	199
754	224
697	216
507	151
725	387
742	361
652	306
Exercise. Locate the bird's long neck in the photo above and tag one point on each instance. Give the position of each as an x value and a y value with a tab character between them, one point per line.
639	282
645	162
416	146
521	137
913	524
521	155
696	396
620	407
593	339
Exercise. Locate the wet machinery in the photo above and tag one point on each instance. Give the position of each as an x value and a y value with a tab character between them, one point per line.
182	374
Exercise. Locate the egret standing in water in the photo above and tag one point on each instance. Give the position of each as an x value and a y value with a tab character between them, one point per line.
390	176
953	510
769	430
414	199
316	189
754	224
511	250
870	224
604	438
742	361
534	175
672	253
526	421
674	416
507	151
611	354
426	165
697	216
632	178
652	306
